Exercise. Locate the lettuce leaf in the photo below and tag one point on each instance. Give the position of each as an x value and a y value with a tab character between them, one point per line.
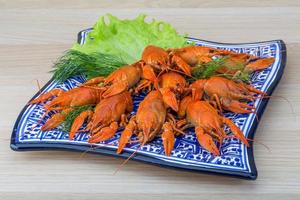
127	38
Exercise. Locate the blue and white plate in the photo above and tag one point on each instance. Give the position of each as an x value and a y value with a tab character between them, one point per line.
235	160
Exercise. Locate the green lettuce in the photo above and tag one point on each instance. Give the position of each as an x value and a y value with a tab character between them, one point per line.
128	38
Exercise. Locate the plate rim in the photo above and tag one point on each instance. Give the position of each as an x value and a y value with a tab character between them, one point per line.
252	175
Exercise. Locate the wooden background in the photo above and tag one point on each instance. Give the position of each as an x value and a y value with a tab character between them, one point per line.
34	33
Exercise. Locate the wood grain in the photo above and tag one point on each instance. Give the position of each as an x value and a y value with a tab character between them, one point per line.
34	33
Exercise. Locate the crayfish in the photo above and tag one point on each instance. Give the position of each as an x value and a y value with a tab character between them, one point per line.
150	119
208	123
227	94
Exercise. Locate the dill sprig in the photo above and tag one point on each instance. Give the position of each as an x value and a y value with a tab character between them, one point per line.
74	63
67	124
209	69
242	76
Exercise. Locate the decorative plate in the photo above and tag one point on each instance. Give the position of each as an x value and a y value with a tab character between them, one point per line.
235	160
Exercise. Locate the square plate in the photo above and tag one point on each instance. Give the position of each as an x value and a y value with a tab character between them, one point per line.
235	160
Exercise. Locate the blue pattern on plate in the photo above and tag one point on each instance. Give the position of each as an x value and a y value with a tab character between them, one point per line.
187	152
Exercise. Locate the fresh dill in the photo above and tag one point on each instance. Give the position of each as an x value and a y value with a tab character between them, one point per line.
208	69
71	116
74	63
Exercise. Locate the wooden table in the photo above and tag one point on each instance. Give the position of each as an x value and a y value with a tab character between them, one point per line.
34	33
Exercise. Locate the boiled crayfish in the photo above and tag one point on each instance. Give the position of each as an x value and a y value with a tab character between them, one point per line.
148	122
227	94
118	81
208	123
191	56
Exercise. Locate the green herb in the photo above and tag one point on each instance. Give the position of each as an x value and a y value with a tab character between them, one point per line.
209	69
71	116
74	63
242	76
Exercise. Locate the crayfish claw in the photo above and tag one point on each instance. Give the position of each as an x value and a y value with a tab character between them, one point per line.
182	65
259	64
126	135
168	138
105	133
169	98
237	107
206	141
55	120
47	95
115	88
236	131
78	122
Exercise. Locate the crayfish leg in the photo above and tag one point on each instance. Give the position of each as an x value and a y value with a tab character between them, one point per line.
216	97
78	122
197	89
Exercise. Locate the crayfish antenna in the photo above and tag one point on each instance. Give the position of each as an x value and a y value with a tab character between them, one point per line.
38	85
252	140
131	156
281	97
92	148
